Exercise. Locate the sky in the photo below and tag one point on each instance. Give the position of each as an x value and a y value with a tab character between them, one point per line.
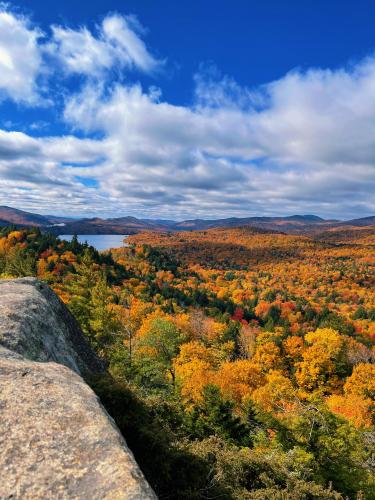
188	109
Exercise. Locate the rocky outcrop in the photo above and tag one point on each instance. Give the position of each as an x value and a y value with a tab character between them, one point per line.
36	324
56	439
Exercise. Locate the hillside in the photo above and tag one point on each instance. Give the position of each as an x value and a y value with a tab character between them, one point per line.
95	225
359	235
243	246
364	221
10	215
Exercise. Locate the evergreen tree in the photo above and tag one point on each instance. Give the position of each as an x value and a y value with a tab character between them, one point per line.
102	320
18	262
215	416
80	290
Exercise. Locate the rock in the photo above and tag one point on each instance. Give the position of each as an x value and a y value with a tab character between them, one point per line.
36	324
56	439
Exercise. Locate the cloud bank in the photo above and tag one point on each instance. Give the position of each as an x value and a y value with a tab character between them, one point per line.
302	144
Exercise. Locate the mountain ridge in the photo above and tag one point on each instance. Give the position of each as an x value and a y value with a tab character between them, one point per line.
291	224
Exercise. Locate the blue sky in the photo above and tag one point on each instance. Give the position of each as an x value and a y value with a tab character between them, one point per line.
185	109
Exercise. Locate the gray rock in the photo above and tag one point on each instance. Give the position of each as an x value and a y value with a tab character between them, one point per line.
56	439
35	323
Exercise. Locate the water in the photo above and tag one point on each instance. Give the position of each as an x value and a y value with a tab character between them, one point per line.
99	241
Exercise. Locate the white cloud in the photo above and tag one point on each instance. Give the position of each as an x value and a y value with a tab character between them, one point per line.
26	52
20	58
120	33
304	143
40	174
117	45
321	115
217	91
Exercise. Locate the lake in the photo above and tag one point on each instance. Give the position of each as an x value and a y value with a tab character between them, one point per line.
99	241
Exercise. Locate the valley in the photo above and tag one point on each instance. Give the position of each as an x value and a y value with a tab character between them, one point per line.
245	344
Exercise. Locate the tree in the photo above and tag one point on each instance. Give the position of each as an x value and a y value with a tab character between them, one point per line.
323	360
362	381
293	348
338	450
360	313
267	356
247	341
215	416
157	345
238	379
276	395
79	287
19	262
102	322
355	408
129	318
194	369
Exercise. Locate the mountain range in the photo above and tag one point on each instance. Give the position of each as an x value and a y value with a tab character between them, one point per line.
295	224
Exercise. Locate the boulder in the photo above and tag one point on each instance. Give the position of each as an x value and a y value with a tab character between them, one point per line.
35	323
56	439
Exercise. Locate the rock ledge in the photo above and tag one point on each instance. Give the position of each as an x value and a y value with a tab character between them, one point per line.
56	439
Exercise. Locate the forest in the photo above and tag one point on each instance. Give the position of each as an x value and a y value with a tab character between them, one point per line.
240	360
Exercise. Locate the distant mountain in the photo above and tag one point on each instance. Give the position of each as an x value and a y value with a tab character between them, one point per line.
3	223
308	225
293	224
137	223
162	222
305	218
364	221
59	220
68	225
21	218
96	225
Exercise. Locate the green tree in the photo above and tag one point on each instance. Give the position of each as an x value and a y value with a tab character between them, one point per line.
80	287
103	324
339	451
19	262
215	416
156	350
360	313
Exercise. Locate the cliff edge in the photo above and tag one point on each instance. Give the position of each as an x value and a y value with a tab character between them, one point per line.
56	439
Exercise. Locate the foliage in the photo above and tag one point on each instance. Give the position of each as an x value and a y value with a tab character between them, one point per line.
242	359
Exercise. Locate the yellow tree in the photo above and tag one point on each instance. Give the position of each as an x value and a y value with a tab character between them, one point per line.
267	356
238	379
276	395
321	358
362	381
194	368
353	407
358	402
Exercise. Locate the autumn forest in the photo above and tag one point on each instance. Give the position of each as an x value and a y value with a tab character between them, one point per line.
240	360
